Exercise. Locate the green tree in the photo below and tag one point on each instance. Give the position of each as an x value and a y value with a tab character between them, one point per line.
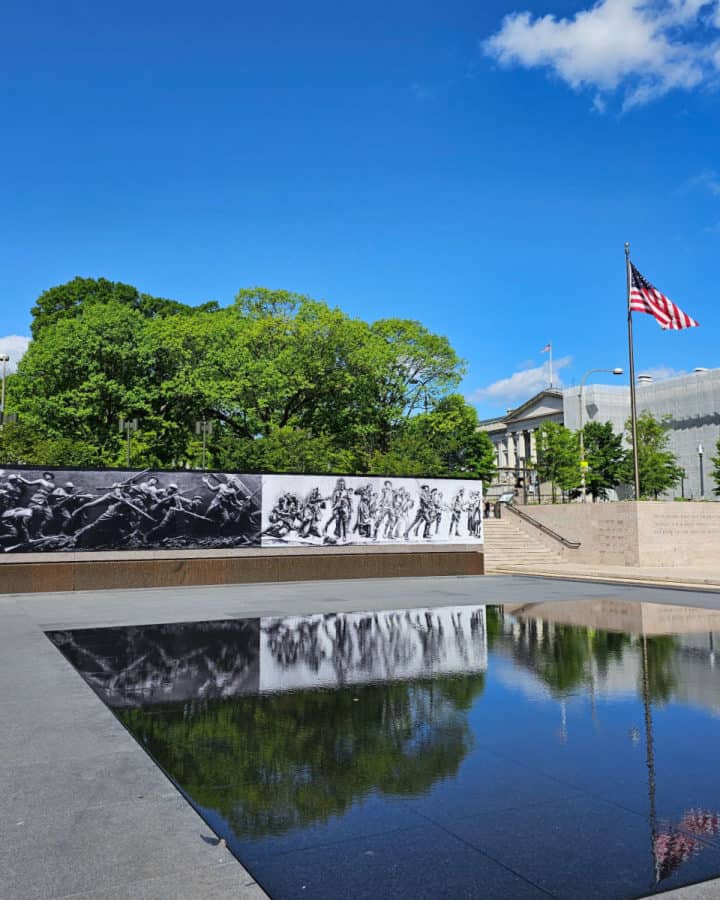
659	469
605	456
715	472
558	457
441	441
78	377
22	444
289	382
69	300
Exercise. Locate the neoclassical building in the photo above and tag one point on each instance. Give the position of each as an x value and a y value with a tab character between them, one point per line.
690	404
514	433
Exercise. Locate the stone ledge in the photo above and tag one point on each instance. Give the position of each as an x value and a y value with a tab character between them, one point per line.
158	571
65	556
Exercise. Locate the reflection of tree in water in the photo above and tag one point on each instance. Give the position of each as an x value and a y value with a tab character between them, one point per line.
273	762
562	656
660	669
558	654
607	647
493	624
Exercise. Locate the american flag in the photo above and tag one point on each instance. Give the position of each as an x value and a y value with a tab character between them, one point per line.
648	299
546	348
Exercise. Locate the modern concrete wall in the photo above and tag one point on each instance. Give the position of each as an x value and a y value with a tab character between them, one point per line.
678	534
691	403
636	534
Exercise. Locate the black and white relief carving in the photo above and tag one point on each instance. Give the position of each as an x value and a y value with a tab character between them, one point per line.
327	510
115	510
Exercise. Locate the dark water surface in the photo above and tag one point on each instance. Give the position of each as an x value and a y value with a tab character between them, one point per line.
557	749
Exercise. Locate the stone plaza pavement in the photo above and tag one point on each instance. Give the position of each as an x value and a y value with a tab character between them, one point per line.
84	813
700	577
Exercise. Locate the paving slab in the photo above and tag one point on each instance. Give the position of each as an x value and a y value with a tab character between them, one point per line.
707	578
217	884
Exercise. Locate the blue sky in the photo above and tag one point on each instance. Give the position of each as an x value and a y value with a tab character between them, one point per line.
475	165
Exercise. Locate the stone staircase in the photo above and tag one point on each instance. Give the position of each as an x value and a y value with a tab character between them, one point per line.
511	544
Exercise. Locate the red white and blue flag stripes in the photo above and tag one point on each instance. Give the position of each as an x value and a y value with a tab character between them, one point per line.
646	298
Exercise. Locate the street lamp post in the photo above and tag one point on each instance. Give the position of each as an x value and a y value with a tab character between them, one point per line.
128	426
583	465
203	427
702	474
4	359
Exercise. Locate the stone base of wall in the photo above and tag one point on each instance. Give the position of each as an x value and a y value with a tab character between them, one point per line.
636	534
77	574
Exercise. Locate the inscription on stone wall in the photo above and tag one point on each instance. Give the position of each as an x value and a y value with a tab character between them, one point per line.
612	541
676	522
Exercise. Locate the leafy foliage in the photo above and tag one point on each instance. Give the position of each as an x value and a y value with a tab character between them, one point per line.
288	382
444	440
71	299
715	471
659	469
605	455
558	457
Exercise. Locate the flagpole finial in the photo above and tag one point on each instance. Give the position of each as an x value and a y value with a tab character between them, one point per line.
627	249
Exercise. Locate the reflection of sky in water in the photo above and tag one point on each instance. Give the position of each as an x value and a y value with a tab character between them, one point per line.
497	754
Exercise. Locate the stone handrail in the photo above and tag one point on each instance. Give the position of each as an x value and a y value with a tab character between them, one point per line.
571	545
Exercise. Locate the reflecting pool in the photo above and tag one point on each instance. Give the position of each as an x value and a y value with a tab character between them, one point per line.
557	749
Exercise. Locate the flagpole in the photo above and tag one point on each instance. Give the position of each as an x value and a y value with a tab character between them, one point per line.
550	346
633	405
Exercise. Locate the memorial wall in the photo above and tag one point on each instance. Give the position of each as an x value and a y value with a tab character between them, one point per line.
108	509
649	533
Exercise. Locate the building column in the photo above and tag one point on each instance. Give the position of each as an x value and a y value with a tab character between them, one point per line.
526	445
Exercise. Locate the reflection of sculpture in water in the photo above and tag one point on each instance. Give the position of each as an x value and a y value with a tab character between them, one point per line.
355	647
156	663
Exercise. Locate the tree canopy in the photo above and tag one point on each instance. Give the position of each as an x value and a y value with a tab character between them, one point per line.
289	383
558	457
605	456
715	471
659	469
71	299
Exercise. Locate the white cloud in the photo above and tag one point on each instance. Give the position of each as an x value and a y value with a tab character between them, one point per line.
643	48
14	345
709	180
661	373
521	385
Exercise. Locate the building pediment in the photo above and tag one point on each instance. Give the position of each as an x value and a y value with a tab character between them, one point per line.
542	405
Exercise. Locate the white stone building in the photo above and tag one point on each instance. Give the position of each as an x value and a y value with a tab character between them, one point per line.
691	403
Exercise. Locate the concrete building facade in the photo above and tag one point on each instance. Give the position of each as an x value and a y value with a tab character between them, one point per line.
691	404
